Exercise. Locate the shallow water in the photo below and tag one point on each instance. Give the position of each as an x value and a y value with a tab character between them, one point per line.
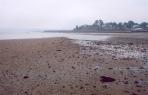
30	34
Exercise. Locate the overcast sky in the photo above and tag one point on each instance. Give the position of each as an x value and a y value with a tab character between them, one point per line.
65	14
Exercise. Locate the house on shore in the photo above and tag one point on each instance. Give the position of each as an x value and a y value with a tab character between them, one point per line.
138	28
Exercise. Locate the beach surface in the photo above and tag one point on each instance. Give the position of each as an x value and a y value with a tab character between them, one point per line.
63	66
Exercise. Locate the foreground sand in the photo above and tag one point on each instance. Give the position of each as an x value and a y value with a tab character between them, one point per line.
60	66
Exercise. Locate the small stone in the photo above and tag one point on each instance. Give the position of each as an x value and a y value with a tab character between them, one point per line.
106	79
73	67
58	50
25	77
133	94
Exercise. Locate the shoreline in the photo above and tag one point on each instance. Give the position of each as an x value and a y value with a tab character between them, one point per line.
78	36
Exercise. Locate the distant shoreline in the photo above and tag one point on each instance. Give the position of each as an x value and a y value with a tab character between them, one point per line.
72	31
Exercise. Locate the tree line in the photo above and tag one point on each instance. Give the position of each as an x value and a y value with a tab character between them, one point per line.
99	26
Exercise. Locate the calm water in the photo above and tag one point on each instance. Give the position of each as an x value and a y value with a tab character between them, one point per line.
38	34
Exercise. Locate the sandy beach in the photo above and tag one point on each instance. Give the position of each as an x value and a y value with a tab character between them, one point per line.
62	66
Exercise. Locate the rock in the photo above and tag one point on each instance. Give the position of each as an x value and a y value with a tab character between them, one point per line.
106	79
58	50
25	77
130	43
73	67
133	94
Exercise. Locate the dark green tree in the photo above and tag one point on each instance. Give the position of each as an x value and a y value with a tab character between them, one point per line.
120	26
130	24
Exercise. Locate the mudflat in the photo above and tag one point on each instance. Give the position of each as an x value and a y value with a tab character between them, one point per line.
62	66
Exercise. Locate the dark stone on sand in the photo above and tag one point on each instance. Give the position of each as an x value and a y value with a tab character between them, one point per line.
81	87
94	86
133	94
139	86
141	68
108	43
71	87
58	50
130	43
25	77
136	82
128	68
63	86
54	71
26	93
110	68
106	79
73	67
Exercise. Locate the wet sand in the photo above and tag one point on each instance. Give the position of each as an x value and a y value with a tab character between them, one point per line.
62	66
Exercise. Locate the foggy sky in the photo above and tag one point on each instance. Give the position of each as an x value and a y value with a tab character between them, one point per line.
65	14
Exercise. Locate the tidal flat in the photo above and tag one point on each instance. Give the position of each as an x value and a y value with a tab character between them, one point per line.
63	66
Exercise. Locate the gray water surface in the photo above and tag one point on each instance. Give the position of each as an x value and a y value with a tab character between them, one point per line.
29	34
